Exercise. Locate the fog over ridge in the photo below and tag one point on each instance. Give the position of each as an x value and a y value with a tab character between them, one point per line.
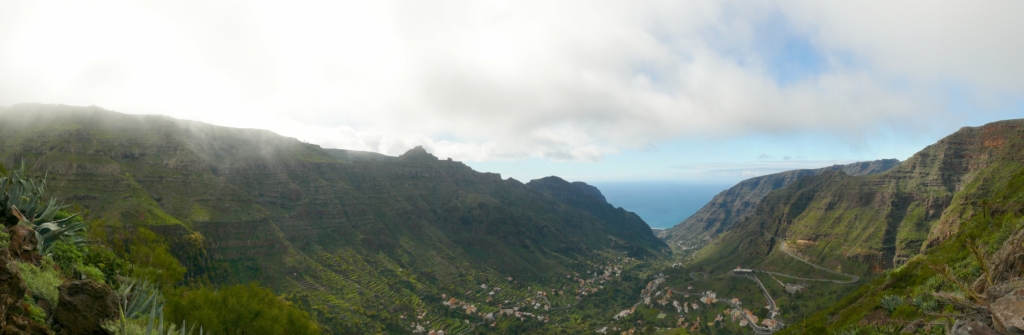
494	81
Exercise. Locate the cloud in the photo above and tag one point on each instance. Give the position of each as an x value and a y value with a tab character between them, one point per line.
494	80
744	170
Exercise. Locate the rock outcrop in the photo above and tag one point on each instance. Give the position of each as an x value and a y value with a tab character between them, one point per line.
13	310
23	244
971	327
1007	305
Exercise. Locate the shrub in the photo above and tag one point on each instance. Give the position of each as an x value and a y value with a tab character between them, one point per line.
42	281
5	239
34	311
148	253
905	312
67	257
93	273
106	262
240	309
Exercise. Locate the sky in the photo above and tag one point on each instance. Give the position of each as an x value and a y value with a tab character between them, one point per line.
700	91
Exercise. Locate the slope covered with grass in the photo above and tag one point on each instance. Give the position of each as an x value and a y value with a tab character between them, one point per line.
364	242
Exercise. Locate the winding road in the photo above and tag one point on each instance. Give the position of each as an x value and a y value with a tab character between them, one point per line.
773	309
772	306
782	246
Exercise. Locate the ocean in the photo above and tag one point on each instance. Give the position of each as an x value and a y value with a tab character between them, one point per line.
660	204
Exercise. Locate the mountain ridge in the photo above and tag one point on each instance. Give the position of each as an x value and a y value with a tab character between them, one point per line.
881	220
325	225
733	205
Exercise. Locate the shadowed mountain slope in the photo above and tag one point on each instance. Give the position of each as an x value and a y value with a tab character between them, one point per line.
365	237
731	206
588	198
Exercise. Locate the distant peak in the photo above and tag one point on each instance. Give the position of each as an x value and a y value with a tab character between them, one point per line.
555	179
417	153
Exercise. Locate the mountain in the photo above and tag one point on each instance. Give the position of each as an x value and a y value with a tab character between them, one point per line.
940	232
363	241
589	199
733	205
929	246
875	222
590	189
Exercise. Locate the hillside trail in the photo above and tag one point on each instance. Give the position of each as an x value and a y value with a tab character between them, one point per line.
782	247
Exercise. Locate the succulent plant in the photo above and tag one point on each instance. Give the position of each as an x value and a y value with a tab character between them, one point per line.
143	300
22	198
891	302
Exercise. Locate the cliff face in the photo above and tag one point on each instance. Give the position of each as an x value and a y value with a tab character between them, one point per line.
590	189
301	218
731	206
624	224
874	222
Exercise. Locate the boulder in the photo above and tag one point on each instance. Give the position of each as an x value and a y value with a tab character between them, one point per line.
1003	289
84	306
1008	309
23	325
970	327
911	328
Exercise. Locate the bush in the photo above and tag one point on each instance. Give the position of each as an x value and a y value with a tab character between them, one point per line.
35	312
67	257
148	254
239	309
905	312
106	261
93	273
42	281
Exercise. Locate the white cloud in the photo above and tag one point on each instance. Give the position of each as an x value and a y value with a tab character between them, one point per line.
495	80
744	170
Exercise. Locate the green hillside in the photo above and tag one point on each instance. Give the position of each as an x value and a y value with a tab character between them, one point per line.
367	243
732	206
907	234
364	242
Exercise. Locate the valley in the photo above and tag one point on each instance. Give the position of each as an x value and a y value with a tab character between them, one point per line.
367	243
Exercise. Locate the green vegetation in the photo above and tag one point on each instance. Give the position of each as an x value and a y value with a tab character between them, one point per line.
989	213
240	309
42	280
350	242
362	243
121	254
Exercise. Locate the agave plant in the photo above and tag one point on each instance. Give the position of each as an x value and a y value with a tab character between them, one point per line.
891	302
143	299
22	197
